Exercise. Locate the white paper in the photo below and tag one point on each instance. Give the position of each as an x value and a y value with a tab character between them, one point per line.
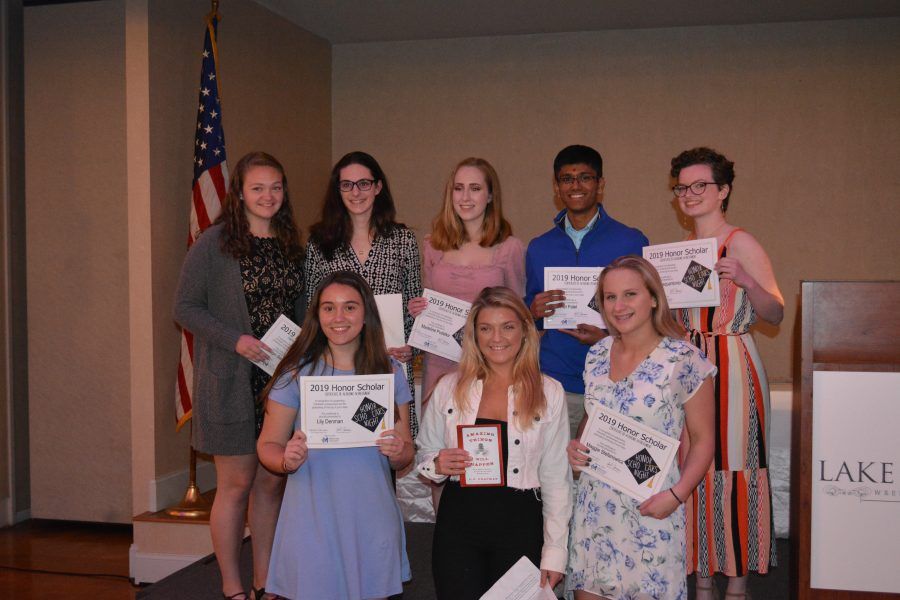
688	272
346	411
279	338
627	454
390	311
433	329
580	285
521	582
855	503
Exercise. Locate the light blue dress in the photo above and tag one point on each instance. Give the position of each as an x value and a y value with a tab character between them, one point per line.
340	533
613	550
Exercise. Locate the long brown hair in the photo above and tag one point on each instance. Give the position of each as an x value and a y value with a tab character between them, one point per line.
334	228
236	229
447	229
661	316
528	385
311	344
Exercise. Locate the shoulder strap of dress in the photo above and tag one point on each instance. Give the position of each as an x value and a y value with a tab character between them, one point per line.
731	235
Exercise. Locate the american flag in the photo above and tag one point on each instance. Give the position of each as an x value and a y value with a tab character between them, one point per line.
209	186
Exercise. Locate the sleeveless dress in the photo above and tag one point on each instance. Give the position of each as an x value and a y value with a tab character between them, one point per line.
271	285
614	551
340	533
730	513
507	268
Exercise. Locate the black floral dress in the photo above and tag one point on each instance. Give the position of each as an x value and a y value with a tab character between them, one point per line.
272	283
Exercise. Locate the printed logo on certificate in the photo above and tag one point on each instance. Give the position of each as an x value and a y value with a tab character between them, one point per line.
626	454
688	272
580	287
485	444
346	411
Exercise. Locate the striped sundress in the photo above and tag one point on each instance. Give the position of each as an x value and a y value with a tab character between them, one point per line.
729	516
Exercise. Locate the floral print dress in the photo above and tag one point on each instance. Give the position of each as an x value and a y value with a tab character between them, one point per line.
613	550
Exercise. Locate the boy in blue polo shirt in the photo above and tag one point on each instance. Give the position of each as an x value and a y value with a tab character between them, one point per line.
583	235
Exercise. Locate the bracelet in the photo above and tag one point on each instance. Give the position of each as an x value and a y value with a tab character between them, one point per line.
284	468
680	501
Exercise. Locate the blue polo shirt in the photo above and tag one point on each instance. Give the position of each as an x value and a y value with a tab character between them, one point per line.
562	356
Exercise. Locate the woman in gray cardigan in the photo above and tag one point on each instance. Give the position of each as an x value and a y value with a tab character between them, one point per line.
239	276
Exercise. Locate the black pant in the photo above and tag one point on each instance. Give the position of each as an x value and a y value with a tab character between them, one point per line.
480	533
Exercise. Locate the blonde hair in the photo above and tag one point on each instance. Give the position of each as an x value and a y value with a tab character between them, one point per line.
661	315
447	230
528	385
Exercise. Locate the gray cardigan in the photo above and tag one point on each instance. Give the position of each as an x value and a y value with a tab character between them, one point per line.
210	303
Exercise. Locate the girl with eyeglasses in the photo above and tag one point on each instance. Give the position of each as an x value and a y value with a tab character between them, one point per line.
731	510
358	232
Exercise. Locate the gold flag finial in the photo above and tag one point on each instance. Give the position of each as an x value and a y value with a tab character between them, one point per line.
214	13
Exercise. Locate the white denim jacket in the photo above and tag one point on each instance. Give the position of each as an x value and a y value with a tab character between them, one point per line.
537	456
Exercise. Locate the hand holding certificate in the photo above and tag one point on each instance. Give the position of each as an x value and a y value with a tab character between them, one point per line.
278	338
579	284
346	411
688	271
433	329
521	582
626	454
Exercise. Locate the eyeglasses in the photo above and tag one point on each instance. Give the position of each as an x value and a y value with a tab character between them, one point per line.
364	185
584	178
698	187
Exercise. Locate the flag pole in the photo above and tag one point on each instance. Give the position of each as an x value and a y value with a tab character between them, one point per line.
193	505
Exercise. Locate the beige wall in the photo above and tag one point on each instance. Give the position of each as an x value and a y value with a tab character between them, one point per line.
808	112
77	255
92	268
275	84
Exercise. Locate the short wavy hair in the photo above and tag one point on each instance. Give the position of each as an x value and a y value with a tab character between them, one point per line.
722	168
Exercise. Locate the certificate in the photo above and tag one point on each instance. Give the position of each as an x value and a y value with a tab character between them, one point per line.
688	271
485	444
521	582
434	329
580	287
348	411
280	337
390	312
626	454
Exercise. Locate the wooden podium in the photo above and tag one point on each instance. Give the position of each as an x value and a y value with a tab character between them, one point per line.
849	326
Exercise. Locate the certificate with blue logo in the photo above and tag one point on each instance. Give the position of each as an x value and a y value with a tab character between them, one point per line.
348	411
437	329
688	271
627	454
579	284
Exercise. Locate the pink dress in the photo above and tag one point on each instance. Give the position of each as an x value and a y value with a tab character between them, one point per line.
507	268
